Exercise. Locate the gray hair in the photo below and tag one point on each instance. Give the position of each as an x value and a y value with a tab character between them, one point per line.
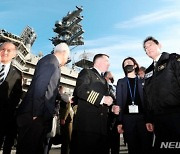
61	47
9	42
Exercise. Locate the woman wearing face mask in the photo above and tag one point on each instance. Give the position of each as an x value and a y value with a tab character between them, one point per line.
129	95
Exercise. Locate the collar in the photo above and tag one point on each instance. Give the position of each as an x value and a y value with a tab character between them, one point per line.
6	65
158	57
98	70
58	60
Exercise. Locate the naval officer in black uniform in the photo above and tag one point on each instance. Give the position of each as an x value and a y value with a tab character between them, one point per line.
90	123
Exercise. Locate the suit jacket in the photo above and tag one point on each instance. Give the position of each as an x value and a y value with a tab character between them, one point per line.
40	98
89	91
10	93
121	94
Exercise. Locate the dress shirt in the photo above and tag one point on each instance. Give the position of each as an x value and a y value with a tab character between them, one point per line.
156	60
102	101
6	69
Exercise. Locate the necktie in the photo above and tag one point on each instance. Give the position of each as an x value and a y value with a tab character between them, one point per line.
2	73
155	65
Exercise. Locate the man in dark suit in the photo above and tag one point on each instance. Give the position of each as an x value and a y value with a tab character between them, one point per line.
38	107
90	124
113	135
10	94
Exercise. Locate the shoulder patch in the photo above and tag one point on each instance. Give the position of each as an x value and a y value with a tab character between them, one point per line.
161	67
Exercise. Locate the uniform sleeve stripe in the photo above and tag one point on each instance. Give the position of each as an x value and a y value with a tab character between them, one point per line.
90	96
95	98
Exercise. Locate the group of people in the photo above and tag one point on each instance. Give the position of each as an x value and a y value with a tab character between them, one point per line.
144	105
33	116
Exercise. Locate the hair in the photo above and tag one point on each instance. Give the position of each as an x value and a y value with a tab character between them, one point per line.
135	63
150	38
60	87
2	43
142	69
61	47
99	56
106	73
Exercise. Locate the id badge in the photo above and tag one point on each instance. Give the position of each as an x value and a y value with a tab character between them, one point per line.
133	109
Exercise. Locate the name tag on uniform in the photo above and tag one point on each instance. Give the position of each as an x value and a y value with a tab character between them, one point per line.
148	75
133	109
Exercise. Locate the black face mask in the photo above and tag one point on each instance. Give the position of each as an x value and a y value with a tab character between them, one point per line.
129	68
112	80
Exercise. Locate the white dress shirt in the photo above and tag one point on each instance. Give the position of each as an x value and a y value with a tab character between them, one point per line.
6	69
102	101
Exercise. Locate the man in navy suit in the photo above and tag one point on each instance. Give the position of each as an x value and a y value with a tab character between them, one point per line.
38	107
10	94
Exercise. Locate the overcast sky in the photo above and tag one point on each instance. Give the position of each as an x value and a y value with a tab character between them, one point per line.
114	27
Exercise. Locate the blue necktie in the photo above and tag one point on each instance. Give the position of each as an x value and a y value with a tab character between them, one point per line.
2	73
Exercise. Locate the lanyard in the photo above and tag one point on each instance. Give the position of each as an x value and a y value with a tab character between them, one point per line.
132	96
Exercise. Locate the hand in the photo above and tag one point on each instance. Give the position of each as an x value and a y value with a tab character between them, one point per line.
150	127
62	122
34	118
115	109
108	100
71	100
119	128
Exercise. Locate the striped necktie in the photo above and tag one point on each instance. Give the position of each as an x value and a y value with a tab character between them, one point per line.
2	73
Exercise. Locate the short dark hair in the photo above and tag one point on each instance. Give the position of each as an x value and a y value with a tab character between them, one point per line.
150	38
106	73
135	63
142	68
98	56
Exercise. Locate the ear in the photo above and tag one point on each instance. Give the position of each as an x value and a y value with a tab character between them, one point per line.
135	66
159	45
14	54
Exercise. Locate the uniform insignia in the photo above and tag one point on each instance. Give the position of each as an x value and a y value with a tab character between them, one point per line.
92	97
161	67
148	75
